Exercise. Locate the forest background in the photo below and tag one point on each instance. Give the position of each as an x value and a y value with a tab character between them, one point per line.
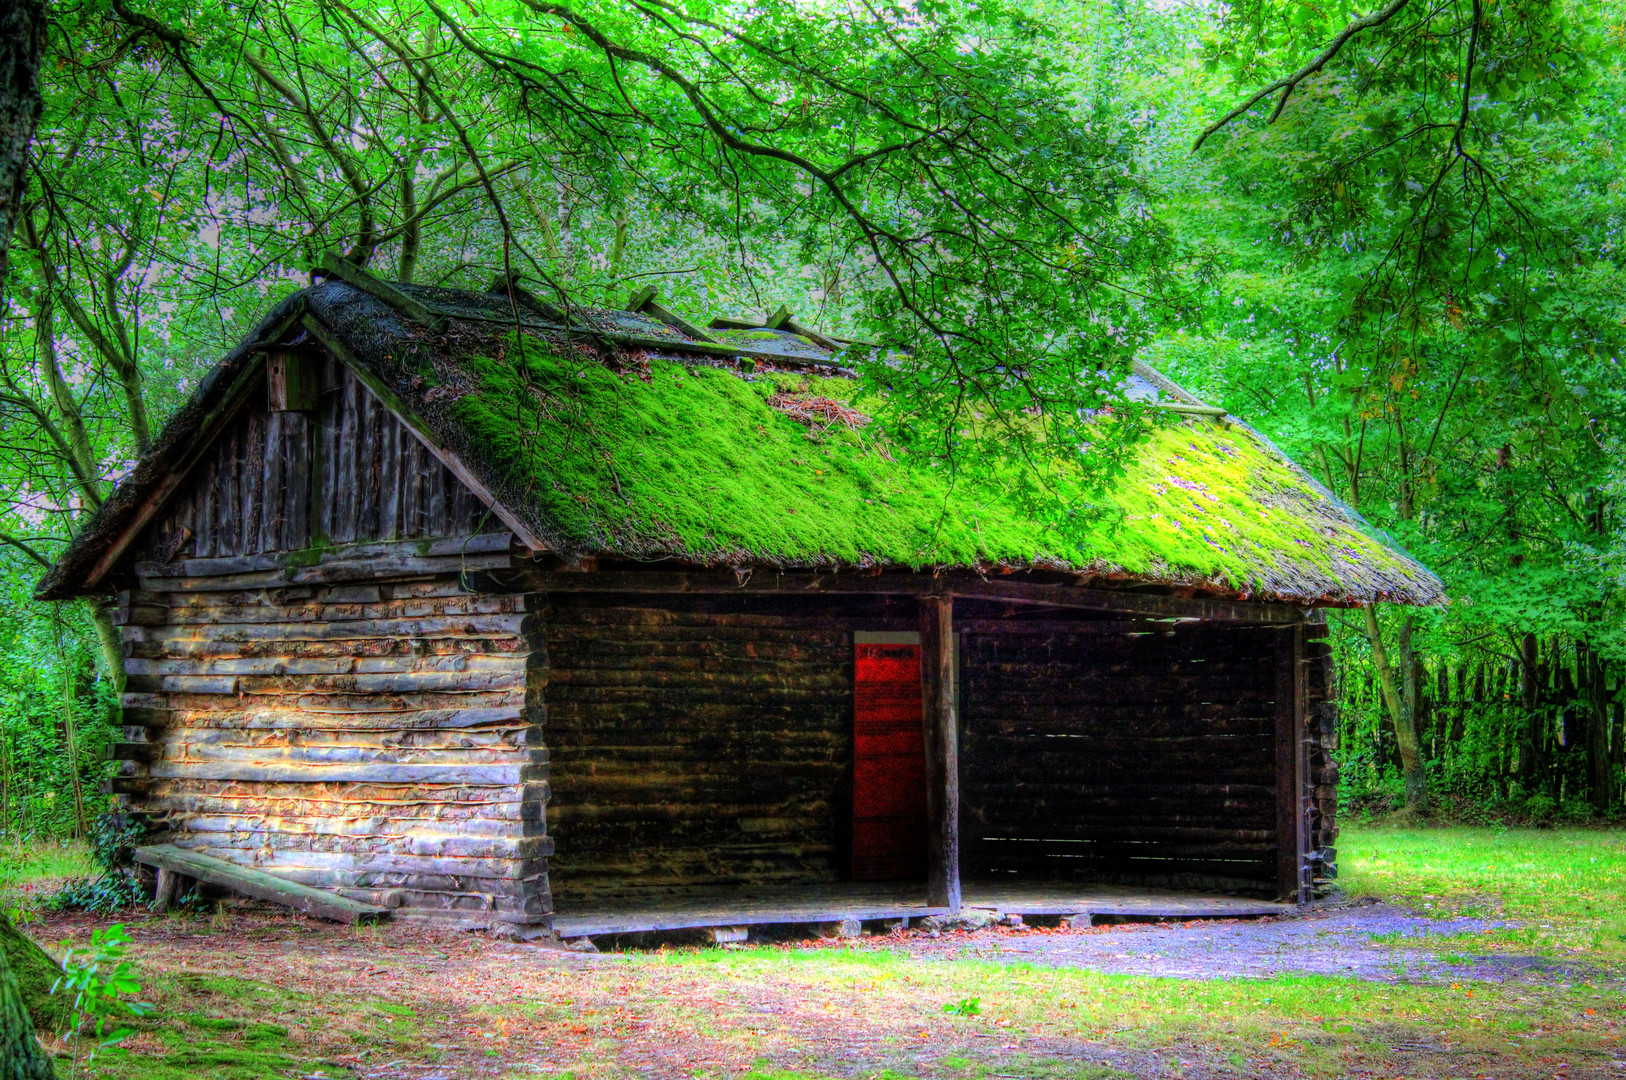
1402	264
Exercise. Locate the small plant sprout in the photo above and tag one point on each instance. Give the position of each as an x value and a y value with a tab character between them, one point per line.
98	976
964	1007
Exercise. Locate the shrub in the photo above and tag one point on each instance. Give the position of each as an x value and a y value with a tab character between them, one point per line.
112	848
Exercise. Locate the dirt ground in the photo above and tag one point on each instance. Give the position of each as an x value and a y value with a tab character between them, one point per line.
408	1003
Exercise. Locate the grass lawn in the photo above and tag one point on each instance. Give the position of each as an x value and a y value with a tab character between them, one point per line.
252	996
1567	887
29	874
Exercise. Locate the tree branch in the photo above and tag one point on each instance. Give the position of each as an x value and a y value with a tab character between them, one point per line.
1290	83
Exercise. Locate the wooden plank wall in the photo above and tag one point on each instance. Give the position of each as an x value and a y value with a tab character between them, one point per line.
1142	755
346	471
367	730
702	741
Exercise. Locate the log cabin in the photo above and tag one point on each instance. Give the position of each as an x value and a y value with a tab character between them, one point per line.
547	619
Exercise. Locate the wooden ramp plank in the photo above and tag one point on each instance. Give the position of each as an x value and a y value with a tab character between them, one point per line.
258	884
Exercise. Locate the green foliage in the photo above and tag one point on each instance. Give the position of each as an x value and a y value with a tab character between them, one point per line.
41	648
105	894
1419	295
964	1007
113	888
97	978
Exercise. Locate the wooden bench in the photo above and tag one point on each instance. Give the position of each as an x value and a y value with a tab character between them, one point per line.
174	863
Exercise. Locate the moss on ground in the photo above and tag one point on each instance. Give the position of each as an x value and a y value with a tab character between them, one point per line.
230	1028
35	973
695	462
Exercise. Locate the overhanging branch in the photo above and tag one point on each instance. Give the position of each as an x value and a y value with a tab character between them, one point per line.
1290	83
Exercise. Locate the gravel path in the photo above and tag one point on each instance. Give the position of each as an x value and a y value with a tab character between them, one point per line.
1372	941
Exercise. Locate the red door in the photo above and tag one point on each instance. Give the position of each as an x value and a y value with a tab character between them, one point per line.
889	764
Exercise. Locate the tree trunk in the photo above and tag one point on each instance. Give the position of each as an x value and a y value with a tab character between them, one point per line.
1599	774
1400	714
1617	743
33	971
21	1055
1529	700
111	644
22	47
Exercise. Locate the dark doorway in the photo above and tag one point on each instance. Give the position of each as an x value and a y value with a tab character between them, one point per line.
889	765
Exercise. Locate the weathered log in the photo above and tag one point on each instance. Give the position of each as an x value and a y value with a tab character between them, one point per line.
492	775
357	665
167	890
177	648
225	565
139	608
339	627
258	884
330	573
427	852
296	716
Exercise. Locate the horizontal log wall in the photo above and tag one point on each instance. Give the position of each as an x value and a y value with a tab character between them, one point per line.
348	717
346	470
369	738
702	741
1125	755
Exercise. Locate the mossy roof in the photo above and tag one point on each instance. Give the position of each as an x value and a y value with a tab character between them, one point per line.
657	455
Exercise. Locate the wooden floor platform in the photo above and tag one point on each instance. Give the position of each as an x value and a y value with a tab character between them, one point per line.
1046	898
742	906
813	904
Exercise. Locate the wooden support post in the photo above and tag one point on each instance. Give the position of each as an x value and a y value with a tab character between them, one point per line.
942	739
1304	737
168	888
1291	767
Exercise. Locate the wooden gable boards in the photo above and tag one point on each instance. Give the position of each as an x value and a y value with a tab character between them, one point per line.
287	399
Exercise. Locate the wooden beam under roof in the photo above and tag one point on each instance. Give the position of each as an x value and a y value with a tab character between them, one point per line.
765	580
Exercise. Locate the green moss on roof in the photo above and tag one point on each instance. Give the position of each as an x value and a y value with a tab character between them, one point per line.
694	462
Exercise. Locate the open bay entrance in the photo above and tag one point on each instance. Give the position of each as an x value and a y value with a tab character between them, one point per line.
1133	753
